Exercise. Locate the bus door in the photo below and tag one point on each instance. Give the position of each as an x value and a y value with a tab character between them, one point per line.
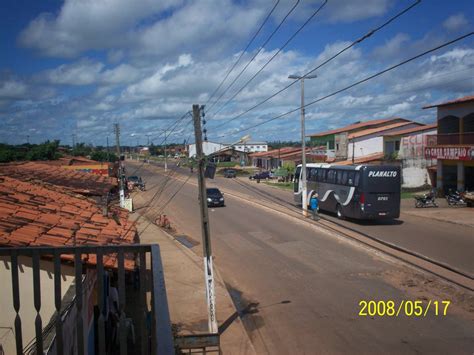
296	186
381	192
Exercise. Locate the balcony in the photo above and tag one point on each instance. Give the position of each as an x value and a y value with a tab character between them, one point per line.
451	139
72	326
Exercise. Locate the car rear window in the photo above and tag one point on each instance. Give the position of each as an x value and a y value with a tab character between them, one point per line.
213	191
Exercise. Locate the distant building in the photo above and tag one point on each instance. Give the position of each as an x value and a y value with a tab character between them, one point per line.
453	145
207	148
252	147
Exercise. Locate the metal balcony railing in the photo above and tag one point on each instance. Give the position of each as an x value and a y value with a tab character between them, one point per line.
451	139
156	335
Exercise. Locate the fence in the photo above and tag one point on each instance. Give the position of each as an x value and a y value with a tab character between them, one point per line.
158	332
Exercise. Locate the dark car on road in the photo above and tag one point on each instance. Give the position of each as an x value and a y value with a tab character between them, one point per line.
135	180
260	176
215	197
230	173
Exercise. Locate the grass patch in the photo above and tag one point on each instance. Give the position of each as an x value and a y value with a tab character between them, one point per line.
282	185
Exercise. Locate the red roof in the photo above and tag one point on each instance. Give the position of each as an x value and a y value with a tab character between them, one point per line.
76	181
453	102
356	126
366	132
361	160
274	152
407	131
35	214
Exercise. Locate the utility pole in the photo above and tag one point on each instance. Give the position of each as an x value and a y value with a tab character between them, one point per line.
166	157
108	152
206	234
304	192
120	170
353	151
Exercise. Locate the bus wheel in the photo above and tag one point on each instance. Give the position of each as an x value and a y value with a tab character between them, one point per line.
339	213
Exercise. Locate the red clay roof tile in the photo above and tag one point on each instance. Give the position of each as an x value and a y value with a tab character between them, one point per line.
35	213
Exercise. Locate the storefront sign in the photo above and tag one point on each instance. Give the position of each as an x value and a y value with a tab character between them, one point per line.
450	153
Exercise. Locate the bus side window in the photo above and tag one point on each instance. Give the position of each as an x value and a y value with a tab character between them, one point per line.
331	176
321	175
339	177
344	177
357	177
350	178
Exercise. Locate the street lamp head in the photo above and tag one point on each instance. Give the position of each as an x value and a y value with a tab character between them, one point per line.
297	77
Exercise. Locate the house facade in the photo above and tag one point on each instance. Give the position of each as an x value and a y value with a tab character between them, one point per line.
453	145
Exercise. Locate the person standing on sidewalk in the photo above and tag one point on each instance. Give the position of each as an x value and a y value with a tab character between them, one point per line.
314	204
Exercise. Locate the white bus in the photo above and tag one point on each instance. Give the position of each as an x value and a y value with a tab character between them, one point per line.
359	191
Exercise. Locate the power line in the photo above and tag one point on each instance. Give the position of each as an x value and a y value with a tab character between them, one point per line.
273	56
255	55
356	83
244	51
357	41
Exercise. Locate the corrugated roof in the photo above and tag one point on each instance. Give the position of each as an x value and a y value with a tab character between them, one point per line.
34	214
453	102
365	159
369	131
77	181
274	152
412	130
355	126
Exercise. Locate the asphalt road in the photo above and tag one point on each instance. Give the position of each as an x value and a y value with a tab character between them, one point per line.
448	243
298	288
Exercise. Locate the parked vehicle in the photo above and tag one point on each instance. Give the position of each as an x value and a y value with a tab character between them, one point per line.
359	191
426	200
260	175
230	173
469	198
454	198
136	181
215	197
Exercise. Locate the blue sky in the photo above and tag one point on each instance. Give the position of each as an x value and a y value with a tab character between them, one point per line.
78	66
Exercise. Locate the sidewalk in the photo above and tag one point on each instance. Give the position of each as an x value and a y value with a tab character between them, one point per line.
184	277
444	213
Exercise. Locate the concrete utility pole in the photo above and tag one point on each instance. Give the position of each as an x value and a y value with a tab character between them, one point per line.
120	170
206	234
304	192
166	158
108	152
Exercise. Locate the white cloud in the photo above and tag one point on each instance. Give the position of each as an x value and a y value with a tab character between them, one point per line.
84	72
355	10
393	47
11	89
455	22
88	24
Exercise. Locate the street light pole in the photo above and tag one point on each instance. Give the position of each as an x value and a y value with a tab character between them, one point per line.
166	158
304	192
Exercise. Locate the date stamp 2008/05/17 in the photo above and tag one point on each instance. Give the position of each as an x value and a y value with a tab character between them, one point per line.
405	308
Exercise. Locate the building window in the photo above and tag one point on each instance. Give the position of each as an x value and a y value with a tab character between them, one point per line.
397	145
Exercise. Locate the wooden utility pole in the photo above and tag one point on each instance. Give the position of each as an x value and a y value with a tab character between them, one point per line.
206	235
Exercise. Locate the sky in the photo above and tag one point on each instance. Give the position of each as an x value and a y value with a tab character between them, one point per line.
76	67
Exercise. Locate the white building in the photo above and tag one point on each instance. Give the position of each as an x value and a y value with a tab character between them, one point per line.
211	147
252	147
377	140
207	148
